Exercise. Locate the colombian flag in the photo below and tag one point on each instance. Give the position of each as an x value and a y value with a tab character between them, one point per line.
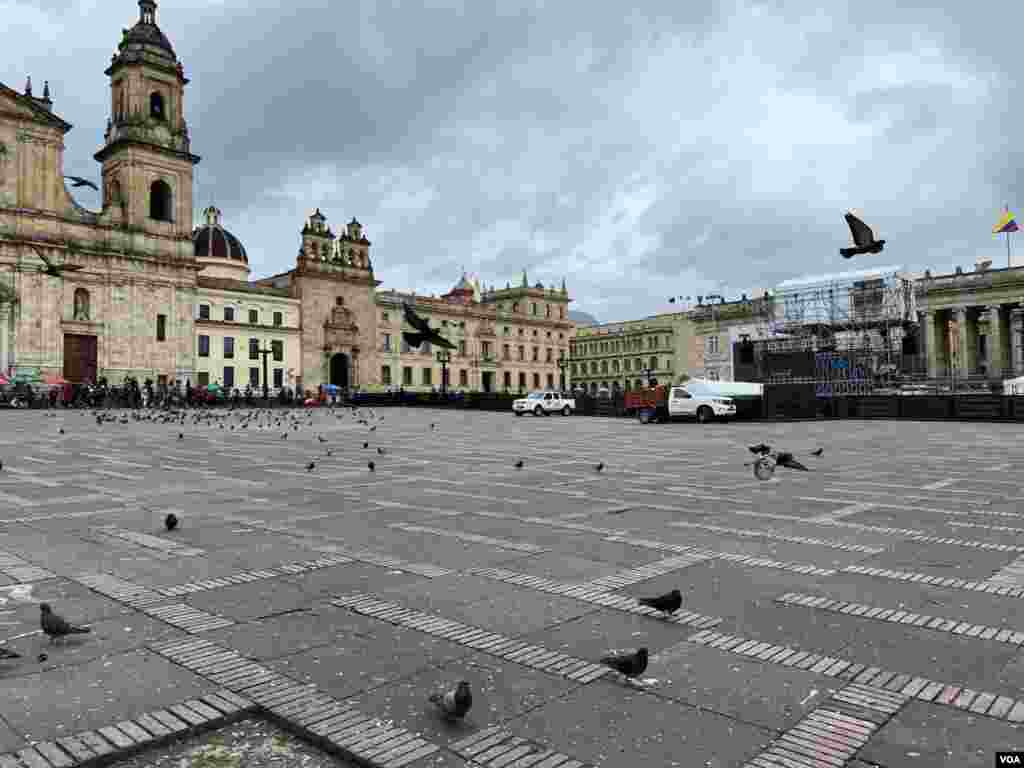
1007	223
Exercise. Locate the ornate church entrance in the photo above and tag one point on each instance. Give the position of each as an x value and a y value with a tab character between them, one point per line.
339	370
79	358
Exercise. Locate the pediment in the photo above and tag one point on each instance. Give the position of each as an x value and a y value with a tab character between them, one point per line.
17	105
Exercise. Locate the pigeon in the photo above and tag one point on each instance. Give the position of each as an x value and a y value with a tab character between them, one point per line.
321	438
371	466
787	460
817	452
760	449
311	466
366	445
171	521
329	452
454	703
42	657
181	435
519	464
433	426
78	181
599	466
380	451
53	270
56	626
668	603
62	430
284	436
863	238
424	333
8	654
1	464
629	664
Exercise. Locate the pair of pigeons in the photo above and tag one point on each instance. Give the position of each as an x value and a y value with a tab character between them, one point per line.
782	458
53	625
455	703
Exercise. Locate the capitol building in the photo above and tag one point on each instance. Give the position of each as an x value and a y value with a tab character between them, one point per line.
149	293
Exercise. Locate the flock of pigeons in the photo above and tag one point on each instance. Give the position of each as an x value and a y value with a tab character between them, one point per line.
456	702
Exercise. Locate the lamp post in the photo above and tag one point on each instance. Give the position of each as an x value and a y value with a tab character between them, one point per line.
646	373
562	365
266	390
444	357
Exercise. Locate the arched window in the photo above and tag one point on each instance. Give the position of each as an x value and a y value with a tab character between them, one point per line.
160	201
156	106
114	192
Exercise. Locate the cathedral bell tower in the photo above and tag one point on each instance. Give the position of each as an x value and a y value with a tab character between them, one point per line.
146	158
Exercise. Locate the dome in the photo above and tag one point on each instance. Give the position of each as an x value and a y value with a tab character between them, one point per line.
214	242
145	31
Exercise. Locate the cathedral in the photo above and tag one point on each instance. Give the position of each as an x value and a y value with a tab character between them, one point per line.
135	289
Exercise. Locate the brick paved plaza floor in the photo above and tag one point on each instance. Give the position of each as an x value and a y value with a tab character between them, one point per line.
867	613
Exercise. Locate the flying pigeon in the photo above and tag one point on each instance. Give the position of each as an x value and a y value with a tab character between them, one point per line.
454	703
56	626
78	181
6	654
668	603
171	521
629	664
53	270
519	464
423	331
863	238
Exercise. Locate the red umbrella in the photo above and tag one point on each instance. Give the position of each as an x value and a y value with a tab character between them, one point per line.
4	381
54	379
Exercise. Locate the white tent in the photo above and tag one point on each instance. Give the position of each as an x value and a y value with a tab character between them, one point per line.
1014	386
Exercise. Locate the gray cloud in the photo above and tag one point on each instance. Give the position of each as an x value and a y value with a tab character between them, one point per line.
664	150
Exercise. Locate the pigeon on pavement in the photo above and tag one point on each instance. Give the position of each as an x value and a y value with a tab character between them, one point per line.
668	603
817	452
55	626
366	445
628	664
171	521
8	654
519	464
311	466
454	703
760	449
371	466
599	466
863	238
787	460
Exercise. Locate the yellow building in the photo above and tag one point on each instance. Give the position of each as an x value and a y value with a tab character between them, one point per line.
623	356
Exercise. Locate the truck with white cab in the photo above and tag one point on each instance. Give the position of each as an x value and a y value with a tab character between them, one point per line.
544	404
665	403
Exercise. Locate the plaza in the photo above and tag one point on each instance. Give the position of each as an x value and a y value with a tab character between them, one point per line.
865	613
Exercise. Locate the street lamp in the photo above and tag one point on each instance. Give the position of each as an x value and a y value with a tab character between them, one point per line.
562	365
444	357
266	391
646	373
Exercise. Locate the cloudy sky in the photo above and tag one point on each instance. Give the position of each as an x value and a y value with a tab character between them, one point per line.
638	149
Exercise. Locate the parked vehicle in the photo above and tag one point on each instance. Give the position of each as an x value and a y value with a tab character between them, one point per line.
544	404
664	403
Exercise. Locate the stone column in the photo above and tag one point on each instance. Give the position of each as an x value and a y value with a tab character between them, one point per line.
932	343
995	361
1017	341
962	363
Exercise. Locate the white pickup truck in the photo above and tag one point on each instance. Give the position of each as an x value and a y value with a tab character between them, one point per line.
667	403
544	404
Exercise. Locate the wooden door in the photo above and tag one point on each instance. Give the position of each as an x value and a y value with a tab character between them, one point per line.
79	358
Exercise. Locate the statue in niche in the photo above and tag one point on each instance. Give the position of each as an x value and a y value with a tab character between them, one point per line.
81	304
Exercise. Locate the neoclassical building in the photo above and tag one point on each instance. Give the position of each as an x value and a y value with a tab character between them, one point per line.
152	296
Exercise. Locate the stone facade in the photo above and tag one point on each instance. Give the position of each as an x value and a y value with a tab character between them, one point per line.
134	304
718	327
973	323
